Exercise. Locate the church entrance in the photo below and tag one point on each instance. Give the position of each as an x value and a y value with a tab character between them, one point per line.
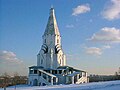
35	82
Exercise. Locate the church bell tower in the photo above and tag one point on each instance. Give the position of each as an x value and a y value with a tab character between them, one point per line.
51	54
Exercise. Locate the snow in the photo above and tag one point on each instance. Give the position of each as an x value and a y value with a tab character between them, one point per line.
109	85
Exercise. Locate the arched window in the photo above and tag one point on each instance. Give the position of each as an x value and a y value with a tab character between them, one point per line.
41	61
45	41
57	41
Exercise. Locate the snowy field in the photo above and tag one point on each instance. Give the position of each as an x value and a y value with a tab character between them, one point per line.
110	85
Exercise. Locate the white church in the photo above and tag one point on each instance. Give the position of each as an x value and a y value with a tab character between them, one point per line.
51	66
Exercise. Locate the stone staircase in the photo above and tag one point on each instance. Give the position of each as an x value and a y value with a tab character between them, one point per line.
45	78
44	81
81	80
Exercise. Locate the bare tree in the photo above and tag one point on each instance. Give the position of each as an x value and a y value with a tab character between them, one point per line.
5	80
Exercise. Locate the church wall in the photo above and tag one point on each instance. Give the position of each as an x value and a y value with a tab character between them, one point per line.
58	59
64	60
61	79
57	40
38	59
32	77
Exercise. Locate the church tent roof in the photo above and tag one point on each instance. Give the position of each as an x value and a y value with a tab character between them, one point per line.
52	27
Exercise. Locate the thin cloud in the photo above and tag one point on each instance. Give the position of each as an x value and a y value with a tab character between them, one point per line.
69	26
81	9
9	57
93	50
10	63
106	47
106	34
112	10
73	57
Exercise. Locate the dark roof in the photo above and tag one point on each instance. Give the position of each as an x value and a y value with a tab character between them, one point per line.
68	67
36	67
60	67
64	67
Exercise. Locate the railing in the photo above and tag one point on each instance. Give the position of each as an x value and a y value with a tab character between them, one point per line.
81	80
47	76
45	81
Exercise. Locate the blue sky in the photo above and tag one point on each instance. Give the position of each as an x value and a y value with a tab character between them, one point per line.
90	31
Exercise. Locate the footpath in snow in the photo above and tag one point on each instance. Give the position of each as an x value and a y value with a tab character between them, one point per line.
109	85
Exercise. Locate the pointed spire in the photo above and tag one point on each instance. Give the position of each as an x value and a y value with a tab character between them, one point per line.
52	27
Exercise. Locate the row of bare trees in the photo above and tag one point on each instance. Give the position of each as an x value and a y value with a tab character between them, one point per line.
7	80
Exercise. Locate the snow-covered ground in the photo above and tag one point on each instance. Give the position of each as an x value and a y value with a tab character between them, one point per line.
109	85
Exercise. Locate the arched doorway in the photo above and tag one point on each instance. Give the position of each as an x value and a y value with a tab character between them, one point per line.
35	82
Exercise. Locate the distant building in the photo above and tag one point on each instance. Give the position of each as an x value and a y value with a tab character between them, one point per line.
51	66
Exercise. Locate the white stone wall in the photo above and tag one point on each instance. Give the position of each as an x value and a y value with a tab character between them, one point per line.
51	41
51	59
32	77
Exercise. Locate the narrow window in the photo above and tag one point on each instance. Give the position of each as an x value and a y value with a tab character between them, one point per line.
45	40
57	41
39	73
60	71
35	71
41	61
55	71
